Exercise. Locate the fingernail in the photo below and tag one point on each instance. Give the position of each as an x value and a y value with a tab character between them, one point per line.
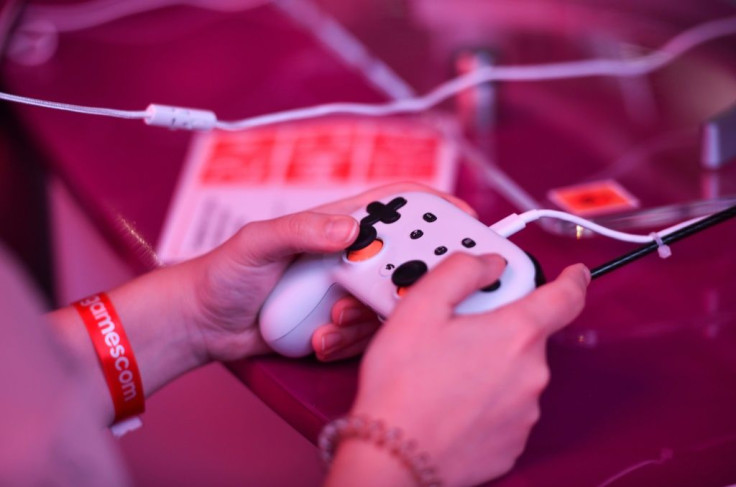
341	229
348	315
493	259
330	342
586	272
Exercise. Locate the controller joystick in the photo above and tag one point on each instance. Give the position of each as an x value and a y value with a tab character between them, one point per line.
400	239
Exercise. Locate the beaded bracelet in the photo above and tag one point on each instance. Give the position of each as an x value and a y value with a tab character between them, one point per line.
375	432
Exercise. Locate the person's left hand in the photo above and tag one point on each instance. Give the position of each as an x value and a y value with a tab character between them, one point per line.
230	284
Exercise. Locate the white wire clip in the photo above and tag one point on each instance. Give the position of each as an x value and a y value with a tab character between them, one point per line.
663	249
179	117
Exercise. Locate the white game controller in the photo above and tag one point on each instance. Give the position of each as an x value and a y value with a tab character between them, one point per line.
401	238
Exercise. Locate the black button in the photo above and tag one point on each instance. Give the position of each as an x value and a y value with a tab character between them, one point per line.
440	250
397	203
492	287
366	235
408	273
469	243
416	234
369	220
429	217
378	212
390	217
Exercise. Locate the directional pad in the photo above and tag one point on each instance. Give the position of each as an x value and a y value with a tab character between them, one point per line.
378	212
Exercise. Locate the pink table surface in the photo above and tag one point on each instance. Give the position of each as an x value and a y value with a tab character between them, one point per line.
643	388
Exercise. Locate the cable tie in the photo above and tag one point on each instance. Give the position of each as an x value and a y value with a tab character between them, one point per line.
663	249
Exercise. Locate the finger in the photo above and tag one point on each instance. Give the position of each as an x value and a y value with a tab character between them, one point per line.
436	294
555	304
348	352
352	204
331	341
348	311
268	241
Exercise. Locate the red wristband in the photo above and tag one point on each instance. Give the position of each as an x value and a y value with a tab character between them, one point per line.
115	354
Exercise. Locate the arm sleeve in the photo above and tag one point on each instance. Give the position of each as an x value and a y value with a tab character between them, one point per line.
52	432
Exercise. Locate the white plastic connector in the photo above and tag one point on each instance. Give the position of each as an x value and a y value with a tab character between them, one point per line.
509	225
514	223
179	117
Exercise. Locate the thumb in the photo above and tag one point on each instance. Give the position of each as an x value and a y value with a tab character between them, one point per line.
267	241
557	303
436	295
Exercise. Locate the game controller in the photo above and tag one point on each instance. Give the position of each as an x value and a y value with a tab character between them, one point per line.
401	238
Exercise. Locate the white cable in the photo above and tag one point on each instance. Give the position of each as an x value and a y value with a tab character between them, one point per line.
105	112
577	69
514	223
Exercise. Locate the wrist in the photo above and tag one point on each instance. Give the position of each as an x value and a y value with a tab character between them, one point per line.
155	308
115	356
361	464
154	316
365	450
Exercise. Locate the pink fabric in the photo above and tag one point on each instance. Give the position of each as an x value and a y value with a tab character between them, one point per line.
50	431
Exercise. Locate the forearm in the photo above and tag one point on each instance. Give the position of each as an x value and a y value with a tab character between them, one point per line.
155	312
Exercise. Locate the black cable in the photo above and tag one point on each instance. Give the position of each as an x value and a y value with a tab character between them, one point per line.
686	231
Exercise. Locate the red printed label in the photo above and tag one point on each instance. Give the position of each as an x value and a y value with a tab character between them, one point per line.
593	198
116	357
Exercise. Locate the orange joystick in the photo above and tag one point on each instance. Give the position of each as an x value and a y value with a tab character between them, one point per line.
366	252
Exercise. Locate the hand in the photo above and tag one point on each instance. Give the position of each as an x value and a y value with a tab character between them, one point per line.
233	281
465	387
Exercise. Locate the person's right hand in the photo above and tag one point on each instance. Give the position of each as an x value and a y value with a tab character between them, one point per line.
466	387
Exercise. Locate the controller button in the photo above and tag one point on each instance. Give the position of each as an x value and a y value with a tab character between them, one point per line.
377	211
365	253
440	250
375	207
366	236
468	243
390	217
492	287
397	203
369	220
408	273
386	270
429	217
416	234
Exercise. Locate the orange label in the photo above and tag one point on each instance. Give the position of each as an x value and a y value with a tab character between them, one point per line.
240	157
593	198
329	152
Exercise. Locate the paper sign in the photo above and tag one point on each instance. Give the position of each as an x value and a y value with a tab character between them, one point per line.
231	178
593	198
